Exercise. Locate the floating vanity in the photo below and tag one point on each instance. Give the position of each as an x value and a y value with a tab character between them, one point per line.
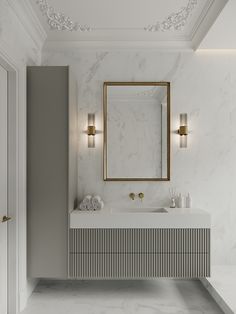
139	243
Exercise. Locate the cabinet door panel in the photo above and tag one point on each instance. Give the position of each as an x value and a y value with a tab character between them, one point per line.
47	171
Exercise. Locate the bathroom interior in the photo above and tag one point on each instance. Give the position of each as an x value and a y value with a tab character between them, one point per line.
118	173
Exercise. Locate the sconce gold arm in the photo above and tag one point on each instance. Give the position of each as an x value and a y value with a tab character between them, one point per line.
132	196
91	130
183	130
5	218
141	195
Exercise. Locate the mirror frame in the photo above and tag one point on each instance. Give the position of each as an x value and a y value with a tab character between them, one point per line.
105	144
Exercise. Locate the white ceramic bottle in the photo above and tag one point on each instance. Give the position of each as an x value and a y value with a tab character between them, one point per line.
181	201
188	201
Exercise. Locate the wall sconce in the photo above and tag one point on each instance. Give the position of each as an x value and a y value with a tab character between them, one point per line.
183	130
91	130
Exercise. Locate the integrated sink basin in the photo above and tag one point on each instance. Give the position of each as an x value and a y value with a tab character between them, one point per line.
145	217
138	210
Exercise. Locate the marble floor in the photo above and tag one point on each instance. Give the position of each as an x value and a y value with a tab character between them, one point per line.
221	285
162	296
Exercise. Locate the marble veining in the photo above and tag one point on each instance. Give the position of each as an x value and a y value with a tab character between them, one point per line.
121	297
203	85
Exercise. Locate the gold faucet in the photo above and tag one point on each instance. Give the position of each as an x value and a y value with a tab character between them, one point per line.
132	196
141	195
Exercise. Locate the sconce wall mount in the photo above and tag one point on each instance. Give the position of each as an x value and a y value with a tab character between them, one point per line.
183	130
91	130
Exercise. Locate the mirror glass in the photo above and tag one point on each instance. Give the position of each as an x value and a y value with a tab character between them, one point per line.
137	131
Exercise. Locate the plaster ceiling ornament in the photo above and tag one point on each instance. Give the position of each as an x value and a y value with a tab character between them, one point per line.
175	21
59	21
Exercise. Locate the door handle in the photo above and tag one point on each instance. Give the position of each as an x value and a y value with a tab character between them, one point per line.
5	218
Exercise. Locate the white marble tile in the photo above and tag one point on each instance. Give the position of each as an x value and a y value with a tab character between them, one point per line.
121	297
222	286
203	85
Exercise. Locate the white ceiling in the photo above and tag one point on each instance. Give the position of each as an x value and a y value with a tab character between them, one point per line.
165	23
222	33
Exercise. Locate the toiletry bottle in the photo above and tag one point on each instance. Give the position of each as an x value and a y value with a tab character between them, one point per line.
188	201
181	201
172	204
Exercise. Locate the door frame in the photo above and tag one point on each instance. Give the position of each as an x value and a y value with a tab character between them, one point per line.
14	190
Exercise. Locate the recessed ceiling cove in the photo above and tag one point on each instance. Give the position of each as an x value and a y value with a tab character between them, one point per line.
158	23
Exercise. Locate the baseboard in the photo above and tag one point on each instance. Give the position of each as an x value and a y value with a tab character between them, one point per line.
216	296
26	293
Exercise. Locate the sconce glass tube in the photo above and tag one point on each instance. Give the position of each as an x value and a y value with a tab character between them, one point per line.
183	142
91	130
183	130
183	119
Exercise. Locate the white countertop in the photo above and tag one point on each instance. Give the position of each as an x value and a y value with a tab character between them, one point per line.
140	218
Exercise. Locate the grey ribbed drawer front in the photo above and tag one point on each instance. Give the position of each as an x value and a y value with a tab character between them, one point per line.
139	240
139	265
139	253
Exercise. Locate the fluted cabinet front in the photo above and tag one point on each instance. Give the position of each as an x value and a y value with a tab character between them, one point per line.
139	253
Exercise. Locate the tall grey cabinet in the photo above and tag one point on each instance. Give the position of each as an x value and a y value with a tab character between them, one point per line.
51	168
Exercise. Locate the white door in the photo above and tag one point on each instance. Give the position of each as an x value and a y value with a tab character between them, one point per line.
3	190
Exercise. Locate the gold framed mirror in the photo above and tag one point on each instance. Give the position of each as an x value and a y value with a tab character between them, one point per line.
136	131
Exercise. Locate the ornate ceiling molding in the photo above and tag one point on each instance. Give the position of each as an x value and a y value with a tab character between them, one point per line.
59	21
175	21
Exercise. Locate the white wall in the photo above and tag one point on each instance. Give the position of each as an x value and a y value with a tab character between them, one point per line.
203	84
20	44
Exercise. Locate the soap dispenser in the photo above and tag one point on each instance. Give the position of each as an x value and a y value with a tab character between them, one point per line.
188	201
181	201
172	204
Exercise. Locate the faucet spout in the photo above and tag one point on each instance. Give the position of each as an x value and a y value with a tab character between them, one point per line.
132	196
141	195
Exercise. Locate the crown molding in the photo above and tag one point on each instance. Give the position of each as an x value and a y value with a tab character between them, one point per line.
29	20
206	20
27	17
61	46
